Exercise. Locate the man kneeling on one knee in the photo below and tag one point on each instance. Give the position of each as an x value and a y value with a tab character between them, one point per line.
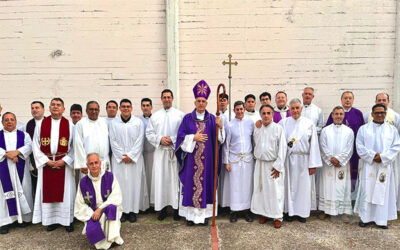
98	205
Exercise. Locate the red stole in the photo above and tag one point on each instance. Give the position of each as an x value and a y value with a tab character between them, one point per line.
54	179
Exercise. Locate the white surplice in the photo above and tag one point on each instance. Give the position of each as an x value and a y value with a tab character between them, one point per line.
254	116
148	154
335	183
315	114
127	138
83	212
238	152
376	197
270	152
58	212
91	136
198	215
300	195
165	180
21	191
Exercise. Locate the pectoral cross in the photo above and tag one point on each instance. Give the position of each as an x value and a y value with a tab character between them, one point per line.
107	194
230	63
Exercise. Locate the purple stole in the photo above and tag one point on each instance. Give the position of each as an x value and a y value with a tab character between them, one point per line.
94	233
5	177
278	117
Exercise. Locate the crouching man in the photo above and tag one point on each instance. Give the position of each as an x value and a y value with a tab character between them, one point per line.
98	205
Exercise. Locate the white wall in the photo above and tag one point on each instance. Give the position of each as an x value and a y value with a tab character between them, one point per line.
110	50
331	45
116	49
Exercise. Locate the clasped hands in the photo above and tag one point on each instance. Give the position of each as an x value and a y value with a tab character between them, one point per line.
126	159
377	158
166	141
13	155
56	164
335	162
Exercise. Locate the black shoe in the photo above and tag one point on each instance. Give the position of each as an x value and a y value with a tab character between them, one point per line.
189	223
383	227
52	227
288	218
23	224
301	219
4	230
205	222
176	215
124	217
150	210
163	214
362	224
132	217
69	228
247	216
114	245
233	217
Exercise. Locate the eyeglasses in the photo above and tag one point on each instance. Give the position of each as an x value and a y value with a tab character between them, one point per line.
94	110
380	113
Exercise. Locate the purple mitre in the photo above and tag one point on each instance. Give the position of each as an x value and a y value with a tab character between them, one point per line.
201	89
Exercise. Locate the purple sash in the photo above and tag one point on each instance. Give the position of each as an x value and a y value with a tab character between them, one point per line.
278	117
5	177
94	233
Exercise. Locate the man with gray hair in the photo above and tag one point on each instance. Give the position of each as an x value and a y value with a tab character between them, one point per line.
91	135
312	111
98	204
302	159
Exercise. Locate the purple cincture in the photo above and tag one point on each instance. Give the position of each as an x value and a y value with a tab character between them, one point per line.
94	233
353	119
5	177
197	168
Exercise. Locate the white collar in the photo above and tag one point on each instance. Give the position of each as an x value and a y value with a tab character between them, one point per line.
98	177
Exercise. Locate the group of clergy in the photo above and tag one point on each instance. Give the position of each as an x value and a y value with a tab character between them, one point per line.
304	164
279	162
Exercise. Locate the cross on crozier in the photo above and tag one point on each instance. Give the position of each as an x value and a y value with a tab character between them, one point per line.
230	63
